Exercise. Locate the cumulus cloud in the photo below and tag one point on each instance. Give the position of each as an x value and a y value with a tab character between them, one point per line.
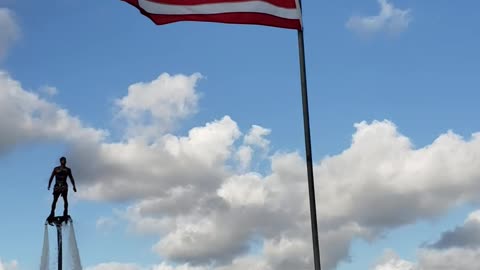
432	259
187	192
248	190
386	173
12	265
453	258
255	137
131	266
465	236
391	261
454	250
164	266
153	107
254	141
390	20
115	266
429	259
244	156
10	30
25	118
187	195
137	169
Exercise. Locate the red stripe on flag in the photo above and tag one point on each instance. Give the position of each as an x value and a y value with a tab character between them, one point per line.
278	3
233	18
226	17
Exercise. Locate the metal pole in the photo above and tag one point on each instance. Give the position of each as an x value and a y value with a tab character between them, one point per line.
59	243
308	152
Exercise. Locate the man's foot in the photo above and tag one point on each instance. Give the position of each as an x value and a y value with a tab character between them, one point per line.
50	217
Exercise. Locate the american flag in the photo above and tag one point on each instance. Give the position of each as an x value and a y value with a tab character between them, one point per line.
277	13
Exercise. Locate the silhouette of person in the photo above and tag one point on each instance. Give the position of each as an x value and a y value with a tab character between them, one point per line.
61	187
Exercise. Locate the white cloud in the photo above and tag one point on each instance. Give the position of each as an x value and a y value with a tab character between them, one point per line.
12	265
131	266
390	20
115	266
187	241
432	259
473	217
25	117
250	262
244	156
254	141
454	258
457	249
164	266
10	30
385	172
136	169
465	236
288	253
391	261
244	190
185	190
255	137
153	107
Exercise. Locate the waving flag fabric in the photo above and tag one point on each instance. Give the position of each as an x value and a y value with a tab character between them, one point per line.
277	13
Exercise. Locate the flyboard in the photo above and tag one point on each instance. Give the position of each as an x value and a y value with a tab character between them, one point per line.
57	222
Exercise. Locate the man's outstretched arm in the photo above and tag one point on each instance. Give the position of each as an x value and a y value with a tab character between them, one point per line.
71	179
51	178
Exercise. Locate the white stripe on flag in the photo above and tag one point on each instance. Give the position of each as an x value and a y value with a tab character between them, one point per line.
218	8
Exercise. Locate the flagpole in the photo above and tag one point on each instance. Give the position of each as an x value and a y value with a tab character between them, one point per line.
308	151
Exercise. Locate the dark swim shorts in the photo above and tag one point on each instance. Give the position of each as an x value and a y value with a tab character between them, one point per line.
60	189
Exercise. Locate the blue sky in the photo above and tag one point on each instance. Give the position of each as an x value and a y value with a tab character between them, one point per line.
393	87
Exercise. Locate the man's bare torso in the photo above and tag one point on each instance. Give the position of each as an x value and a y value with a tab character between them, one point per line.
61	174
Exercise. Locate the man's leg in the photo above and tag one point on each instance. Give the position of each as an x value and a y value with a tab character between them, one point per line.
54	203
65	204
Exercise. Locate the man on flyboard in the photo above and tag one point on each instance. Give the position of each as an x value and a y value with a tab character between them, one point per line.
61	187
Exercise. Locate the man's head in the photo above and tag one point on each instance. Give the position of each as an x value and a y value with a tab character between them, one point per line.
63	160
